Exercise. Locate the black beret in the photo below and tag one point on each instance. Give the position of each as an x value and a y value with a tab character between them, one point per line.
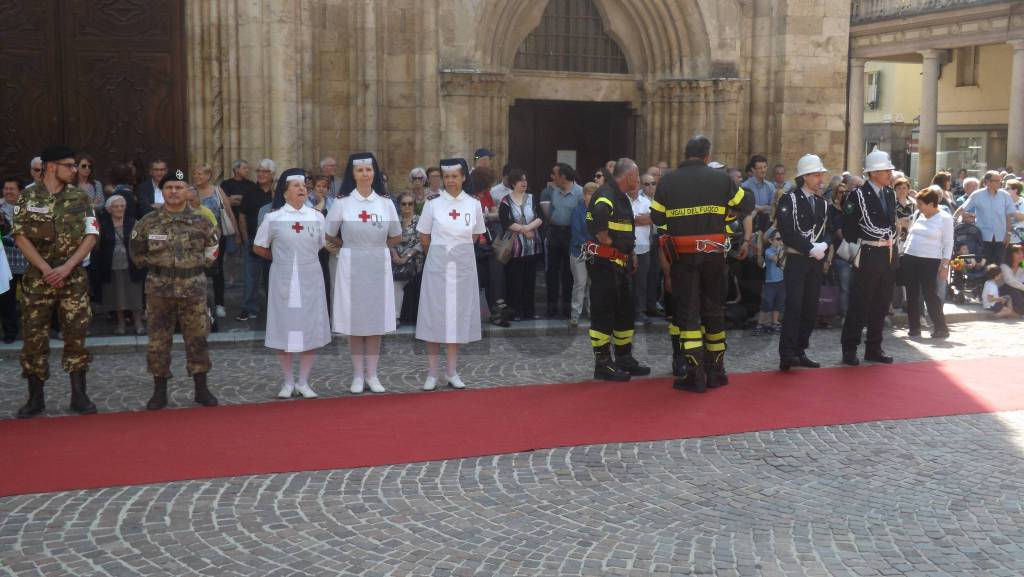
54	153
173	174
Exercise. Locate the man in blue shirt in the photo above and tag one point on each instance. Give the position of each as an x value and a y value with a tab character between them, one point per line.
994	213
558	203
764	190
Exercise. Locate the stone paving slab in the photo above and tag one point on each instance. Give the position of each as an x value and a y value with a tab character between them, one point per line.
920	497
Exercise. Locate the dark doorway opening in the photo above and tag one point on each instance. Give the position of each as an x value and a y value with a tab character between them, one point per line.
590	132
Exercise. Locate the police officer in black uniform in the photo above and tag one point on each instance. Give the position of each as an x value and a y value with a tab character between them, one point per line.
800	219
870	218
693	201
610	221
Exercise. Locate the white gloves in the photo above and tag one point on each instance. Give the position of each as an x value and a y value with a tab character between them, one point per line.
818	250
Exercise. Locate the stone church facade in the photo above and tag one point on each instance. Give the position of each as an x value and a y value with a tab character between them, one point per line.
417	80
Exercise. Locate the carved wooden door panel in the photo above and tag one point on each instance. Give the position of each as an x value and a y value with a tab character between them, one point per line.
103	76
124	74
30	90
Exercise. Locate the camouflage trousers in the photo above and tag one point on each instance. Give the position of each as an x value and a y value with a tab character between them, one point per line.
73	313
162	313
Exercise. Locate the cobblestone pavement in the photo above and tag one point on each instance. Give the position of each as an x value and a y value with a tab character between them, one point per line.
920	498
925	497
119	382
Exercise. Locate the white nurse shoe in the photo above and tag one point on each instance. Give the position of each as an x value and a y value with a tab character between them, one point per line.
430	384
374	384
306	391
357	385
455	382
286	391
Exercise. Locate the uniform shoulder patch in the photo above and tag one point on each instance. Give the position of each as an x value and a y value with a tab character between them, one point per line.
135	233
849	208
17	209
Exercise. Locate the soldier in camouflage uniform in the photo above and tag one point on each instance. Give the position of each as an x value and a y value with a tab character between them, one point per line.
55	227
176	243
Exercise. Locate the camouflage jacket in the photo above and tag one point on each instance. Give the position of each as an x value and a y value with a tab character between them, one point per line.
56	224
175	247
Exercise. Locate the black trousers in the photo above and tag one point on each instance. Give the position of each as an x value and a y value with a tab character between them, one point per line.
698	289
870	295
994	252
803	276
558	275
611	306
1016	298
520	285
9	309
921	276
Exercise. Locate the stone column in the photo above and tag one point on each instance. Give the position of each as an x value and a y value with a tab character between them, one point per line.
1015	124
474	112
855	131
928	135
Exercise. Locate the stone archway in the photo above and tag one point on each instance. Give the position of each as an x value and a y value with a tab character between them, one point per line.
660	38
669	85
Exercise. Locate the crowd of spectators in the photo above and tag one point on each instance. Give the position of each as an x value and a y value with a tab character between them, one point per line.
546	228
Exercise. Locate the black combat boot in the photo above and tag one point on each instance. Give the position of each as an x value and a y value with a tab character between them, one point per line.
605	369
80	402
36	399
625	361
203	395
678	363
159	398
694	380
715	369
678	360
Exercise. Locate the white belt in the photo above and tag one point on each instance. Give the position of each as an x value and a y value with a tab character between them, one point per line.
878	243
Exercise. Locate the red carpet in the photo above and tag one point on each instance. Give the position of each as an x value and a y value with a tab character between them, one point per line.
65	453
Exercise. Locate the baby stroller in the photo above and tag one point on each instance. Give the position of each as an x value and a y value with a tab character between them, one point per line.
966	272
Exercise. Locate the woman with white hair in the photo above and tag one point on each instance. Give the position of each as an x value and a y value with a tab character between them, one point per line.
120	281
417	186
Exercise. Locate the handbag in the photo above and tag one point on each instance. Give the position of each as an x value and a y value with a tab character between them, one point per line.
226	228
848	250
503	246
828	297
405	271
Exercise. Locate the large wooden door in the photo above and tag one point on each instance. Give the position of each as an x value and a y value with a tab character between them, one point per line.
103	76
595	131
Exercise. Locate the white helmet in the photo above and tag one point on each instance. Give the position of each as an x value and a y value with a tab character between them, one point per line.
877	160
809	164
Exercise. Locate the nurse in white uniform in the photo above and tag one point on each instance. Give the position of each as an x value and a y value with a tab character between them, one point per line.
291	237
366	225
450	295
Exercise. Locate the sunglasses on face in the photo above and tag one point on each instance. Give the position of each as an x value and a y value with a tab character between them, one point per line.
417	178
407	204
648	184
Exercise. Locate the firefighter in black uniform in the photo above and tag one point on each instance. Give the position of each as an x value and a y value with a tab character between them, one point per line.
800	219
610	221
693	201
869	216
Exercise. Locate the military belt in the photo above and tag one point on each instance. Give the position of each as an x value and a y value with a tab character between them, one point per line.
177	272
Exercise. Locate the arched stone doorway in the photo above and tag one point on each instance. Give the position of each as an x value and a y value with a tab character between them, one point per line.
669	85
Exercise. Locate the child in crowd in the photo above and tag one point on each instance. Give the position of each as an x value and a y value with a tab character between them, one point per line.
990	299
773	294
